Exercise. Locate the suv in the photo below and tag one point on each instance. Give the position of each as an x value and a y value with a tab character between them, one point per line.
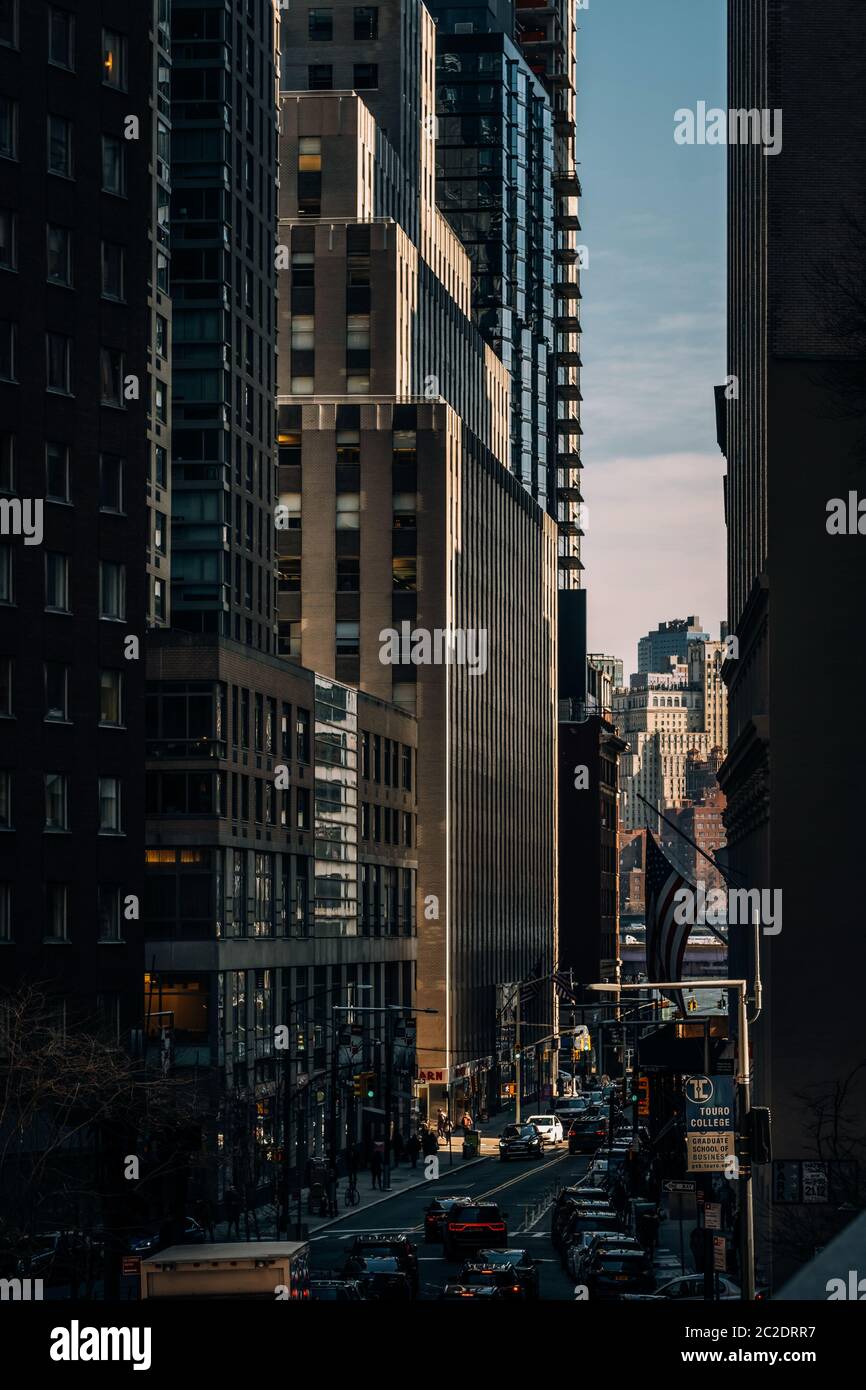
612	1272
437	1213
472	1227
585	1136
476	1273
548	1126
520	1141
378	1247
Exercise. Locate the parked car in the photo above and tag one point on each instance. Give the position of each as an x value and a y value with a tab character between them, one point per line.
581	1217
436	1214
548	1126
580	1258
520	1261
576	1250
689	1288
615	1271
473	1228
148	1242
378	1246
520	1141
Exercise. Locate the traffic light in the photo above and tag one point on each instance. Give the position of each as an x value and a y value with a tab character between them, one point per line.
760	1145
357	1082
643	1095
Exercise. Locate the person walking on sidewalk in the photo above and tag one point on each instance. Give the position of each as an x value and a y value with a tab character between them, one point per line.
376	1166
441	1121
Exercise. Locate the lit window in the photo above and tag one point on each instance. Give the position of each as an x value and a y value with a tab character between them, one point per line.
309	154
111	699
302	332
114	59
348	511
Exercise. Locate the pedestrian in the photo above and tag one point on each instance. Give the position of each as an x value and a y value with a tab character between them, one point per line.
398	1148
233	1210
441	1121
447	1128
376	1166
467	1122
413	1148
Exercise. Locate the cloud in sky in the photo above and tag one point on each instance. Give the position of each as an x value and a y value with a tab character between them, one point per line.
654	547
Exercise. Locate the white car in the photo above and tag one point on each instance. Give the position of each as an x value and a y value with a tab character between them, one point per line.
548	1126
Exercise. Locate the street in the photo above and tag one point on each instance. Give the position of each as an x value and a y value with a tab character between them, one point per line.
525	1189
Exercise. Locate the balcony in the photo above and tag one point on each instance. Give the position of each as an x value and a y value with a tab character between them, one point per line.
565	217
568	458
566	183
569	424
567	323
569	359
568	483
568	391
567	289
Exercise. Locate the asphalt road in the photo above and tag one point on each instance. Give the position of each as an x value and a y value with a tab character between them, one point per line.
524	1188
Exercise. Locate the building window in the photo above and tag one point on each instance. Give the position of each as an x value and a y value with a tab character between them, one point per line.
6	912
108	912
58	254
348	639
407	768
8	350
61	38
404	571
7	587
114	59
348	516
56	582
111	699
366	22
7	463
56	808
8	240
5	799
58	351
60	146
348	576
303	332
113	165
111	377
112	270
110	483
320	77
159	600
56	692
303	808
9	23
56	916
112	591
57	472
109	806
8	128
366	76
5	687
160	466
320	25
161	336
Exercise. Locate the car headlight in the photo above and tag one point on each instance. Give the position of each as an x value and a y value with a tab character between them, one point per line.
502	1143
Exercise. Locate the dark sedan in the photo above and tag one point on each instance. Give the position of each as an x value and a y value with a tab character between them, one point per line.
482	1275
378	1247
381	1278
585	1136
437	1213
520	1261
611	1273
520	1141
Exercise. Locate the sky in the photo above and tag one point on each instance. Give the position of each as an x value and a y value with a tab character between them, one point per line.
653	318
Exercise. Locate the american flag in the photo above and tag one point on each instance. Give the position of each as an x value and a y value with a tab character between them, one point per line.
665	938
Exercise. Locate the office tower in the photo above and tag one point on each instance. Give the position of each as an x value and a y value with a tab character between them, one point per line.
281	868
611	665
223	223
669	640
795	349
84	382
403	517
705	678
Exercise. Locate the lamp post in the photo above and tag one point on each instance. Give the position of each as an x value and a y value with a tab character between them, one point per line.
747	1209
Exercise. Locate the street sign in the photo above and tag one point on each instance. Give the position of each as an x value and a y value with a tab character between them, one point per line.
713	1216
709	1122
679	1186
130	1264
815	1186
720	1254
682	1205
708	1153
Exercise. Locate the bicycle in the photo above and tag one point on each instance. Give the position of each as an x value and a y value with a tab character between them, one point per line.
352	1196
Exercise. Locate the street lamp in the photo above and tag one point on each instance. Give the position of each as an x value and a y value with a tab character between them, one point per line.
747	1213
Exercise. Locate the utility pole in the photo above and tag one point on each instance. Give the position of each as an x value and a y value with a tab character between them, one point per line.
518	1065
389	1064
